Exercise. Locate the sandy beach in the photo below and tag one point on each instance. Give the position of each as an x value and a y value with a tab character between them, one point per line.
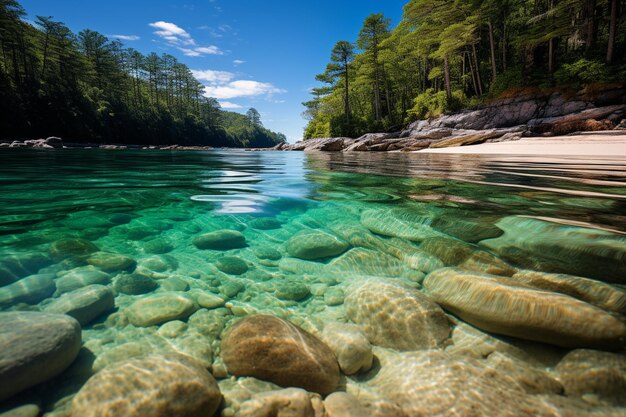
608	143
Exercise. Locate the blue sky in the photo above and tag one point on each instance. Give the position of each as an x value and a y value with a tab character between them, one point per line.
249	53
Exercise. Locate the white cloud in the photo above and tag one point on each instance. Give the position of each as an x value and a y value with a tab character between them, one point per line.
213	77
178	37
241	88
238	62
172	33
229	105
125	37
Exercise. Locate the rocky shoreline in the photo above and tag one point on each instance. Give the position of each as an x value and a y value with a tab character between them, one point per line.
530	114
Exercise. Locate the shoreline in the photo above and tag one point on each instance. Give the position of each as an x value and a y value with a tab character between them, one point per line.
593	144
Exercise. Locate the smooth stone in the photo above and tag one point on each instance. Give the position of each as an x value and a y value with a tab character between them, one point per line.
208	300
14	267
230	288
359	261
594	292
158	246
160	308
111	262
85	304
435	383
290	402
291	290
120	218
531	379
492	304
350	345
154	386
269	253
484	262
67	248
449	250
584	372
342	404
134	284
232	265
265	223
35	347
397	223
272	349
312	245
221	240
334	296
552	247
26	410
160	263
174	284
81	277
172	329
121	353
29	290
396	316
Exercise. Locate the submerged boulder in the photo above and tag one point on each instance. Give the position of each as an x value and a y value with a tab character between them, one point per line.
66	248
396	223
154	386
492	304
160	308
81	277
85	304
353	350
220	240
111	262
396	316
35	347
29	290
311	245
552	247
275	350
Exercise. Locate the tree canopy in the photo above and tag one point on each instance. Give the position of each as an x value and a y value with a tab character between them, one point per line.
450	54
86	88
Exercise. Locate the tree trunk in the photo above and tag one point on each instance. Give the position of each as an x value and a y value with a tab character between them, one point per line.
612	31
478	79
504	60
472	73
492	45
551	55
347	92
590	12
446	76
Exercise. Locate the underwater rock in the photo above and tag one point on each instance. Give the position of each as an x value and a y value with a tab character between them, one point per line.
174	284
232	265
334	296
111	262
172	329
437	384
134	284
551	247
290	402
159	263
35	347
359	261
289	289
471	229
396	316
265	223
342	404
81	277
15	267
237	391
594	292
275	350
221	240
350	345
160	308
531	379
484	262
585	372
492	304
121	353
267	252
298	266
315	244
396	223
154	386
207	299
230	288
120	218
84	304
67	248
450	251
422	261
29	290
158	246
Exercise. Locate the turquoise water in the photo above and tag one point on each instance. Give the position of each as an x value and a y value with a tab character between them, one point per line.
489	240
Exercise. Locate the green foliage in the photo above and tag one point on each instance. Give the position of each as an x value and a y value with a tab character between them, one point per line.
86	88
448	54
583	71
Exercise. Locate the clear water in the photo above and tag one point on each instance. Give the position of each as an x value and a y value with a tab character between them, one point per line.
565	215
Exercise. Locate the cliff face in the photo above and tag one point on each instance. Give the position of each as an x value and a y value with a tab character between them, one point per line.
528	113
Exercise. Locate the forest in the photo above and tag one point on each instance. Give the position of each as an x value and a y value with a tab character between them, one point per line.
448	55
87	88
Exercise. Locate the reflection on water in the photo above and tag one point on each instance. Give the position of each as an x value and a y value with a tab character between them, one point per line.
515	267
